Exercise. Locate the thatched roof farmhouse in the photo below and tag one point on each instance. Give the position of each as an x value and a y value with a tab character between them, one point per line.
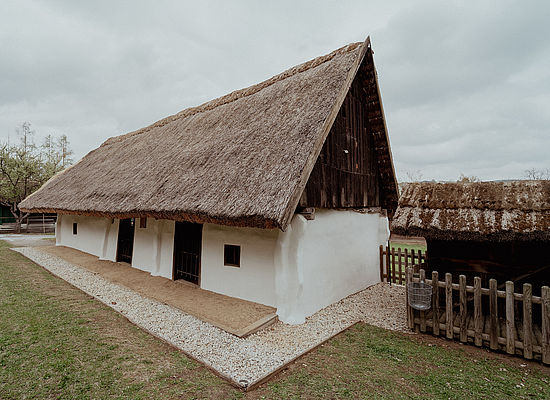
501	229
243	159
304	156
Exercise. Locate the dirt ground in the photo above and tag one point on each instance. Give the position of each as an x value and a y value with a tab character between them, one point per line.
233	315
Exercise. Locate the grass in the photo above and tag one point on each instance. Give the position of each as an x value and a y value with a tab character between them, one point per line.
368	362
57	342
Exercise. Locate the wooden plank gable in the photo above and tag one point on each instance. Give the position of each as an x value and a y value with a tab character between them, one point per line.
354	168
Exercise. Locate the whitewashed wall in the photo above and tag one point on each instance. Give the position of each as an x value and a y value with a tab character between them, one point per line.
321	261
91	234
311	265
154	247
254	280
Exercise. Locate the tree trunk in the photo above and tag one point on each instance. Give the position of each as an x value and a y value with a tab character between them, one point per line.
19	217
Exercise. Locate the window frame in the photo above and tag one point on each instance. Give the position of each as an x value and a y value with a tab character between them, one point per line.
75	228
231	253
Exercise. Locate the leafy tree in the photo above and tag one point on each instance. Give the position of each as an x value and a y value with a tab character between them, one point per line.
24	167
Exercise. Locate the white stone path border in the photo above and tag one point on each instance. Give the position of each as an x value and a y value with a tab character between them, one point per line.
244	361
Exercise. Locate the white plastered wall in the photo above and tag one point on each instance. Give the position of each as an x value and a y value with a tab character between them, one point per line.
254	280
321	261
154	247
94	235
310	266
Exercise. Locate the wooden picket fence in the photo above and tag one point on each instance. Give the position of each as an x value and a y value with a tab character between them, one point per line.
394	262
516	332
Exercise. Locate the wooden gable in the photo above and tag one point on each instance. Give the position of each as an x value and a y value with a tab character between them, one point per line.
354	168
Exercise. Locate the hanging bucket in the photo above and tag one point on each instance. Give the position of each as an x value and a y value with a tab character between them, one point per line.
420	296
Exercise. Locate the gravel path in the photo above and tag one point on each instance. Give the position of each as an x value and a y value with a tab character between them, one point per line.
243	361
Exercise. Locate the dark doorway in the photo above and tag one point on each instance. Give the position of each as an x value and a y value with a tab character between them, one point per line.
187	251
125	240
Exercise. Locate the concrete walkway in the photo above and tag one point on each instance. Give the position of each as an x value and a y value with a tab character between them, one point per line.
236	316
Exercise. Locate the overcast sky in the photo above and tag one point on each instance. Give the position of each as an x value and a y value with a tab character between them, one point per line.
465	85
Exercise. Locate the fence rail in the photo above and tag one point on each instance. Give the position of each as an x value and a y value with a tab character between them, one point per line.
517	331
394	263
33	223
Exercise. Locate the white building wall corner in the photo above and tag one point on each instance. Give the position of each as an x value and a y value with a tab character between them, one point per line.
110	240
321	261
58	230
289	276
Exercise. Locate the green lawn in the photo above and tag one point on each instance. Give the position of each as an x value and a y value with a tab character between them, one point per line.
57	342
368	362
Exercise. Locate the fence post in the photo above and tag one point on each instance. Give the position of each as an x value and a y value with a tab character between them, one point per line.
449	305
393	265
381	263
410	311
493	311
478	315
545	306
527	321
463	308
422	313
406	259
435	302
400	266
388	265
510	320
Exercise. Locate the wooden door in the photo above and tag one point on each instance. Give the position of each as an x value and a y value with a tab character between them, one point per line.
125	240
187	251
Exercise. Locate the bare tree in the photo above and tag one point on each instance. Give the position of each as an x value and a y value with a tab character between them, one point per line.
465	179
535	174
63	151
414	175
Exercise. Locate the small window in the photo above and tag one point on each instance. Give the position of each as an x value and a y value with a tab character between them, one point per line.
232	255
75	228
143	223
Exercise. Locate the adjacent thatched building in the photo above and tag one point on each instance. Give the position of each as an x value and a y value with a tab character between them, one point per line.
276	193
492	229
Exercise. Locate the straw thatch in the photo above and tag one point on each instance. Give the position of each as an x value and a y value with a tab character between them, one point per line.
480	211
242	159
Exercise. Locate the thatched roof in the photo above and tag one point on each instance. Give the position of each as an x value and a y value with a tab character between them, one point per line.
511	210
242	159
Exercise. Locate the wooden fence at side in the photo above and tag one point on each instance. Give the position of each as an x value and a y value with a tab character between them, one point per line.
482	327
394	262
33	223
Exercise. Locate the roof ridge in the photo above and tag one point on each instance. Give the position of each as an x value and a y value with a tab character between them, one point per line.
239	93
